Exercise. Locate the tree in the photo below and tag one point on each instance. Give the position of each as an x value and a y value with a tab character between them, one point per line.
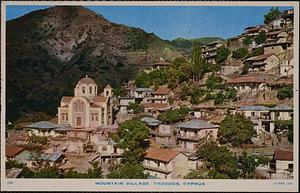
236	130
49	172
95	171
219	98
214	82
232	94
222	54
119	91
247	41
240	53
142	80
128	171
218	161
248	164
285	127
174	116
285	93
261	37
131	137
135	107
272	15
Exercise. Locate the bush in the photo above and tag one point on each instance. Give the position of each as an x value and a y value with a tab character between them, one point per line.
222	54
247	41
240	53
174	116
285	93
261	37
135	107
271	15
214	82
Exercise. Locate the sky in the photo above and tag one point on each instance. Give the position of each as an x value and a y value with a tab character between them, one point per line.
170	22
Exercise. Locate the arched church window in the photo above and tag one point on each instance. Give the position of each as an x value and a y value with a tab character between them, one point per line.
96	116
83	89
91	90
92	116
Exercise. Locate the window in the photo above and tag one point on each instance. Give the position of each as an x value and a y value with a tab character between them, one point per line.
96	117
92	116
107	93
104	148
158	163
91	90
83	89
290	166
252	114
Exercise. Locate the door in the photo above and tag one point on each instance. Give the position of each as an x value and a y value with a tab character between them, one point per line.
78	121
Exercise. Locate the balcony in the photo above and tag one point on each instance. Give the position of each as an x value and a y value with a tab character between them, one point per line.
188	137
158	169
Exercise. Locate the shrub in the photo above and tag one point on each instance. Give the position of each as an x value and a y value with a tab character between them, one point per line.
240	53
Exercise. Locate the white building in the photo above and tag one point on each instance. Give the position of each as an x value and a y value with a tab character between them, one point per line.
284	164
165	163
195	131
86	109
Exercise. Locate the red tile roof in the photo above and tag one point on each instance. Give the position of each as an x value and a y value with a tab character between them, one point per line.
100	99
165	155
283	155
162	90
66	99
155	106
247	79
12	151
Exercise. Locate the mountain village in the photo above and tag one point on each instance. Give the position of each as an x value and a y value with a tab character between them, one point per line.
175	128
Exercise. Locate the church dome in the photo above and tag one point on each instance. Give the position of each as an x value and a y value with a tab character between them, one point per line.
86	80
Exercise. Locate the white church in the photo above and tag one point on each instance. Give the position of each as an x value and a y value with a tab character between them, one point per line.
86	109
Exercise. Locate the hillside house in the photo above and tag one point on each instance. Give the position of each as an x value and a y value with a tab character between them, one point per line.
253	31
124	103
259	115
282	112
263	62
209	51
154	109
277	47
12	151
161	64
248	84
165	163
139	94
287	64
227	70
277	24
166	135
52	159
283	164
152	123
193	132
43	129
162	95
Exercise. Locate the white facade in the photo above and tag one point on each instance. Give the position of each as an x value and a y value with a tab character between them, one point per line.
86	109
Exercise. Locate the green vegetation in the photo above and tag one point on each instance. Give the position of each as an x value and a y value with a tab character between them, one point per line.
285	93
272	15
222	54
261	37
26	172
247	41
128	171
285	127
131	138
119	91
38	140
236	130
174	116
214	82
189	43
221	163
240	53
135	107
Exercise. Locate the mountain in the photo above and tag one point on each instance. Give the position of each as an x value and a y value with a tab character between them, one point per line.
49	50
186	45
